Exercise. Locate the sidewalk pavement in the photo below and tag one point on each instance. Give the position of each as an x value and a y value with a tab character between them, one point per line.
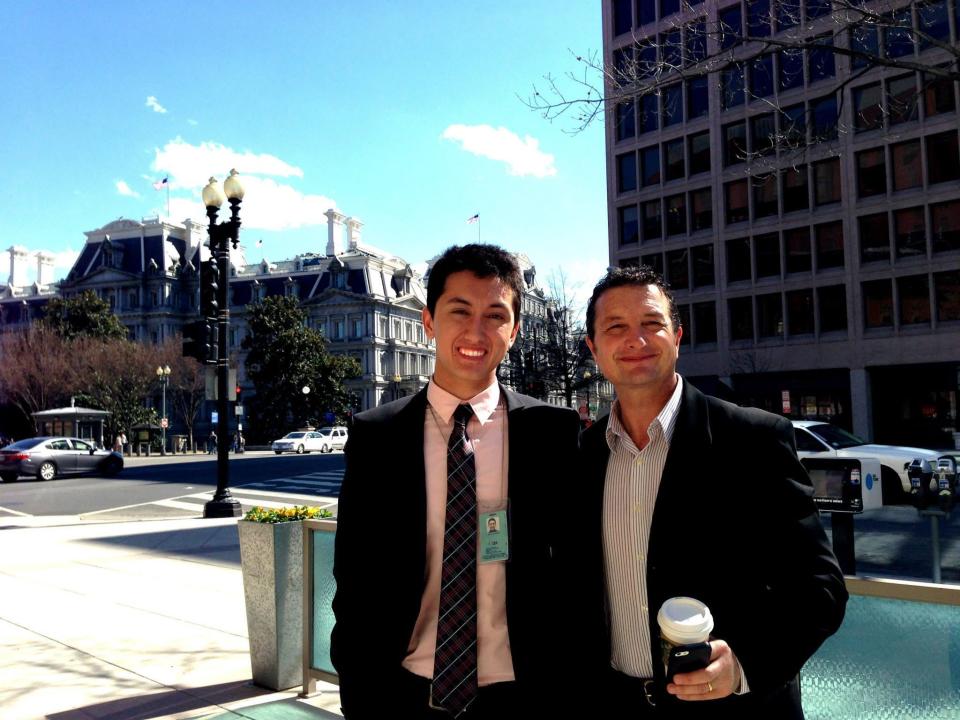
130	621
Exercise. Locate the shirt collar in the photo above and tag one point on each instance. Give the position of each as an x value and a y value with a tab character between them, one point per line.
665	421
484	403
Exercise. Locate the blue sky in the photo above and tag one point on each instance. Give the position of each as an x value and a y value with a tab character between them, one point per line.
404	114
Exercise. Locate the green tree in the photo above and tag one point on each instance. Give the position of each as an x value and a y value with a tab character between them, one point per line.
85	315
285	356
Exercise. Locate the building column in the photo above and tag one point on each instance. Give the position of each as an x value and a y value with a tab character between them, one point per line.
861	403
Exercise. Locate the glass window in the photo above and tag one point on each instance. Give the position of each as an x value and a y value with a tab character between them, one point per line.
649	114
790	74
823	112
627	172
623	65
761	77
764	195
826	181
902	99
945	226
698	103
797	245
947	289
871	172
796	194
731	86
907	171
650	165
758	18
817	8
865	42
738	260
943	157
763	134
829	239
695	35
669	7
867	112
730	25
701	215
800	312
672	105
734	143
628	224
767	255
676	214
913	293
877	304
699	152
788	14
820	59
704	323
655	261
910	233
938	96
793	125
671	51
652	222
677	273
702	257
626	121
622	17
736	201
770	315
874	238
673	161
833	308
646	12
647	64
898	33
741	318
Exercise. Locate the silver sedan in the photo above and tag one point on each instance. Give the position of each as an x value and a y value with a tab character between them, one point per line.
48	457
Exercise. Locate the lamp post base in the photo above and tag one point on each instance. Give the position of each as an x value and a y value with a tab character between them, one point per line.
222	508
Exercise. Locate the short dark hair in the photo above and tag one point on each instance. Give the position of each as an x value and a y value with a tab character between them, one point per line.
483	261
635	275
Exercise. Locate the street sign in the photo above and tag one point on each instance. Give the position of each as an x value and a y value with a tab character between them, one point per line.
214	417
239	410
163	423
329	417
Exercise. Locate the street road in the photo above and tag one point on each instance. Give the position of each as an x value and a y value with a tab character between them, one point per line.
178	486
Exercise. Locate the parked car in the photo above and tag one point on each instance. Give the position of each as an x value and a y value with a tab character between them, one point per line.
48	457
819	439
334	438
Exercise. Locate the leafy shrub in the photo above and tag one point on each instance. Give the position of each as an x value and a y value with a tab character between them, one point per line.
286	514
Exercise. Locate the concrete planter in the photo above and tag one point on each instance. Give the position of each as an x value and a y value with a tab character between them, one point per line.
271	558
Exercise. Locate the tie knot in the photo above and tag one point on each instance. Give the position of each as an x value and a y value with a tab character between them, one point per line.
462	415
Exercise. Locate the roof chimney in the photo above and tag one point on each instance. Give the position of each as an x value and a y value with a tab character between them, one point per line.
44	268
334	232
353	233
18	266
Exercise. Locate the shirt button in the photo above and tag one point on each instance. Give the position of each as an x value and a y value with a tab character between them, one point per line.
645	608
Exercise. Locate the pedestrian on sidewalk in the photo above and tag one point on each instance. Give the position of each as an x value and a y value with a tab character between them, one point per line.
212	442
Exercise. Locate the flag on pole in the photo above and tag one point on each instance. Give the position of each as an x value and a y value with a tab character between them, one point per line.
475	218
160	183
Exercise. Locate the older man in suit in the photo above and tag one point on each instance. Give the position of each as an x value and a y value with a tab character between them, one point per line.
451	620
692	496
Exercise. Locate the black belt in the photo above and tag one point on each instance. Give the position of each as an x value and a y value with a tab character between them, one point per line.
645	688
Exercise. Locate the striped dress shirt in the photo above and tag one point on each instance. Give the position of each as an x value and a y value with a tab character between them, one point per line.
630	493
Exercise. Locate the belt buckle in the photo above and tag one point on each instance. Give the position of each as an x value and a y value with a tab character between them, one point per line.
648	692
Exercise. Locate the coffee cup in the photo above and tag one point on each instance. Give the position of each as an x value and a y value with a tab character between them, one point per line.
683	621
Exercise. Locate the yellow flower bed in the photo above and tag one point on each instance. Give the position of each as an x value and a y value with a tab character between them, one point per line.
286	514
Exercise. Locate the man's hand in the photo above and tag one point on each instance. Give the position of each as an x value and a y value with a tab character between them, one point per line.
717	680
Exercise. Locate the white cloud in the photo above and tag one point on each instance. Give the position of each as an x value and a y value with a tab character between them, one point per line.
268	204
155	106
522	156
191	121
125	190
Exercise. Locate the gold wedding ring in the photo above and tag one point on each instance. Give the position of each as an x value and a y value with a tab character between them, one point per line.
709	687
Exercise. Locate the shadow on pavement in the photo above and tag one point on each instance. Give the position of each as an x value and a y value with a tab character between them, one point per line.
220	543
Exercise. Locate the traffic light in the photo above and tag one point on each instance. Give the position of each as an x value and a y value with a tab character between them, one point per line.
209	290
195	340
239	391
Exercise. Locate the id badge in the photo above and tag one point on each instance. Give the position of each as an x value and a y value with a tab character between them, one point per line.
493	530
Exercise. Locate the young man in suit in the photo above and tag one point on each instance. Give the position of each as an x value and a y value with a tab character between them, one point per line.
693	496
450	620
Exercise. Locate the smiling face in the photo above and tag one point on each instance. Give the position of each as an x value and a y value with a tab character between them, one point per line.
634	341
474	326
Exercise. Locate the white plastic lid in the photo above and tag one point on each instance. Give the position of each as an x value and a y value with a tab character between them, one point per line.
685	620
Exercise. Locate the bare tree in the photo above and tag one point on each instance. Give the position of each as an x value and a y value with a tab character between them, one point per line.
737	53
38	370
187	389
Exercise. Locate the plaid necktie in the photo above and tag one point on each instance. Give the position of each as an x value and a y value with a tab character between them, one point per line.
455	662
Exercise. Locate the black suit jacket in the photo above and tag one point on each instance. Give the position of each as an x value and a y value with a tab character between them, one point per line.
380	556
734	526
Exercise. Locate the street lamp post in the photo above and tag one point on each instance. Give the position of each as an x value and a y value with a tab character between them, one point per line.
223	503
306	394
396	386
163	374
